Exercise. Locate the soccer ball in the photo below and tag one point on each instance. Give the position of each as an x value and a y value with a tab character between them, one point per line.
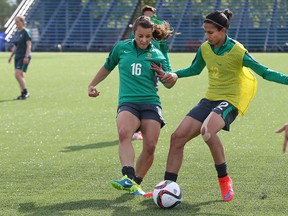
167	194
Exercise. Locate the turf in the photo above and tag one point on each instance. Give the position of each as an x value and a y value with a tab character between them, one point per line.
59	147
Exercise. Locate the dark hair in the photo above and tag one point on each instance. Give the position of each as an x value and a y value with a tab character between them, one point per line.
221	19
159	32
148	8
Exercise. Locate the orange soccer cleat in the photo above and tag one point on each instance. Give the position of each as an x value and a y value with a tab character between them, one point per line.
226	188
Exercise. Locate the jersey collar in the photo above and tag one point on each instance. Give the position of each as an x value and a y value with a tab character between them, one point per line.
143	50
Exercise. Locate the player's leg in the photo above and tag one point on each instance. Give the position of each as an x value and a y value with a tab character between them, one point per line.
20	68
151	131
211	126
126	150
151	123
127	123
220	118
187	130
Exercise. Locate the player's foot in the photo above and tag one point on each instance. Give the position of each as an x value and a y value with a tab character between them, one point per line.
226	188
125	183
137	136
128	184
148	194
23	96
138	191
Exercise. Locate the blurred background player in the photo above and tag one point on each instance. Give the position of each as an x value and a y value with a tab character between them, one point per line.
22	51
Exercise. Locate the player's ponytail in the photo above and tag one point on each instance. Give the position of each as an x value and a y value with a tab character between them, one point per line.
160	31
221	19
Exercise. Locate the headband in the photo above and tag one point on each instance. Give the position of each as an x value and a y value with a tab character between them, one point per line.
214	22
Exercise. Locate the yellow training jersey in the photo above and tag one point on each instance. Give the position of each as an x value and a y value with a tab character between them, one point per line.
228	79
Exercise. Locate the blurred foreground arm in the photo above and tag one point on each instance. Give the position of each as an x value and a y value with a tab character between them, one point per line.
284	128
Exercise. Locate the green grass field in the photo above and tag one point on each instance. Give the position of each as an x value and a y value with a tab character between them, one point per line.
59	148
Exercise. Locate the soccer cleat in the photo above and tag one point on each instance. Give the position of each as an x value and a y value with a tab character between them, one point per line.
23	96
137	136
125	183
128	184
138	191
226	188
148	194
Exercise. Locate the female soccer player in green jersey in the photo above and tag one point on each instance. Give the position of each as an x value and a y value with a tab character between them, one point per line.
162	45
139	105
22	50
231	88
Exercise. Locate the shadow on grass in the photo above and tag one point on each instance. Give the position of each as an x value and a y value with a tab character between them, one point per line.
61	208
9	100
113	207
90	146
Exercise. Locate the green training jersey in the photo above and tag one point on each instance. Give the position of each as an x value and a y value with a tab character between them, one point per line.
20	42
162	46
137	80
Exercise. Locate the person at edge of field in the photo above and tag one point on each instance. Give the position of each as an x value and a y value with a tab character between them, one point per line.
22	51
285	129
231	87
161	45
139	105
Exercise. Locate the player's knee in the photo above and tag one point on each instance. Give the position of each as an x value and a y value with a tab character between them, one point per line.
123	134
205	134
176	141
150	149
176	137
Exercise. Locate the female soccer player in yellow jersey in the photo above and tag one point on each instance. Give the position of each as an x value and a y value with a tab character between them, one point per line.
231	88
139	105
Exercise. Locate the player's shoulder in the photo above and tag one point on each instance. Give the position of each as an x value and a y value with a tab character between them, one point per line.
124	43
26	31
156	52
121	45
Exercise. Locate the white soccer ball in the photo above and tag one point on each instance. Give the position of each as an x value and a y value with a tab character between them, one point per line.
167	194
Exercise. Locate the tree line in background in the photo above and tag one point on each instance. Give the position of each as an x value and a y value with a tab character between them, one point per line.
7	9
9	6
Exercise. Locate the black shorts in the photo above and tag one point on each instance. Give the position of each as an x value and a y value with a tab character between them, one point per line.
19	65
144	111
227	111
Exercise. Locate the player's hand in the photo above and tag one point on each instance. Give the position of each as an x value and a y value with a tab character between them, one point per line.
26	60
92	91
285	129
165	77
169	78
158	69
